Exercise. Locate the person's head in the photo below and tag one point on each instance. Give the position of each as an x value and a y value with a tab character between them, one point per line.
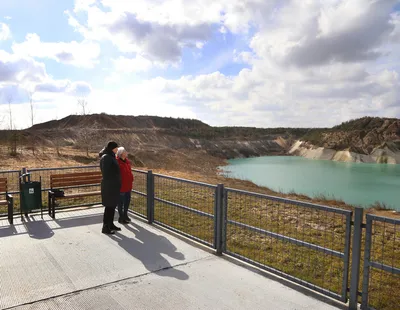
113	146
122	153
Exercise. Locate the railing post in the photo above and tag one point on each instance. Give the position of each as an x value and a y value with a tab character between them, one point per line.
356	258
367	259
150	197
20	180
219	220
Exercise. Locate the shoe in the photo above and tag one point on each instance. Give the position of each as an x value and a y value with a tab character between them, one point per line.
107	231
123	221
128	219
115	228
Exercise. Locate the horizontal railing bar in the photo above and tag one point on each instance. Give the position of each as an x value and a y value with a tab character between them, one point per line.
290	201
63	168
139	193
10	171
289	239
184	180
390	269
139	171
184	207
378	218
184	234
12	193
287	276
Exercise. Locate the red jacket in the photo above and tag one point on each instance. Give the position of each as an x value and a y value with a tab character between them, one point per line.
126	175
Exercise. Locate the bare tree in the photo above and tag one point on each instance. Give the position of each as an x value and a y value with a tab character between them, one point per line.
32	114
14	136
82	104
87	138
57	144
9	101
32	108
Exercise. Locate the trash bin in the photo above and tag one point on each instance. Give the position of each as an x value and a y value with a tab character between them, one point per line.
31	196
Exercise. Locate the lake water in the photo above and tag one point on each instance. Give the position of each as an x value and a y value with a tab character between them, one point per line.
356	183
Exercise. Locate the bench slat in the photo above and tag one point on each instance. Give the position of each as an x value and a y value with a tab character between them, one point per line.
60	183
77	178
74	179
75	174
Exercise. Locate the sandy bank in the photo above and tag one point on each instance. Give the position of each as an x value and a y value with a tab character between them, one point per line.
379	155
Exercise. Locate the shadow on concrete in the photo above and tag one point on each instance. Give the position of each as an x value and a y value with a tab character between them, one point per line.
38	229
8	231
148	247
80	221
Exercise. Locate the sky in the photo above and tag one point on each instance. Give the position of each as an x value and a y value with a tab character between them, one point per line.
263	63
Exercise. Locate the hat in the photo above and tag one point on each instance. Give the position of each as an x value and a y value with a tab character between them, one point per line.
112	145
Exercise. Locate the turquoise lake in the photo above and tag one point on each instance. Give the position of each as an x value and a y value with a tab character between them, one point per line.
355	183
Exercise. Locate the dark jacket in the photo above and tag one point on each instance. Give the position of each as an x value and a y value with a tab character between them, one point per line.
126	175
111	181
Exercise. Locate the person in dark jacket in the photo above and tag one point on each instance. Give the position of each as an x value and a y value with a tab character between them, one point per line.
126	185
110	186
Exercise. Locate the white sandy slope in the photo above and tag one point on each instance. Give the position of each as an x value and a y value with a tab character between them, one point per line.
379	155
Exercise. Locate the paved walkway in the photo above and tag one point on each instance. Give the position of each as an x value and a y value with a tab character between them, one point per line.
68	264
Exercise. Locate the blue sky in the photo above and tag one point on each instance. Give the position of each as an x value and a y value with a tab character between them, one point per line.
267	64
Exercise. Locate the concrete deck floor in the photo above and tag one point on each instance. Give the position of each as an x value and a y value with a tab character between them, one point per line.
68	263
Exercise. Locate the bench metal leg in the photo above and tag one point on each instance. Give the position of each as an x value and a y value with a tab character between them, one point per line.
49	203
10	201
53	207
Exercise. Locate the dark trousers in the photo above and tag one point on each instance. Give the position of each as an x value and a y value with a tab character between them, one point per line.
123	206
108	217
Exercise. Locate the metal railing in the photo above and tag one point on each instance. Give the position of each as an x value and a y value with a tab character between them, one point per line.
315	246
381	275
185	206
306	243
139	193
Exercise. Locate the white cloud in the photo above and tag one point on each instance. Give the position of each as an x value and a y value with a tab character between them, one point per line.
80	88
128	65
21	75
83	5
159	31
17	69
80	54
5	32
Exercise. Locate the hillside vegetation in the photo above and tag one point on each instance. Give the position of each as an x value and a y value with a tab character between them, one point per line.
154	139
361	135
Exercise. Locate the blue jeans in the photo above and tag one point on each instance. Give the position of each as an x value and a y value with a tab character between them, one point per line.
123	206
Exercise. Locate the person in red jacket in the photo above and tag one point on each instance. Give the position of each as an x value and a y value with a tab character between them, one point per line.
126	185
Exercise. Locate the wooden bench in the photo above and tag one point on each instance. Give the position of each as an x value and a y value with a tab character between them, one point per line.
8	201
71	181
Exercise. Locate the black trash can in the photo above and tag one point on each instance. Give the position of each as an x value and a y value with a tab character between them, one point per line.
31	196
